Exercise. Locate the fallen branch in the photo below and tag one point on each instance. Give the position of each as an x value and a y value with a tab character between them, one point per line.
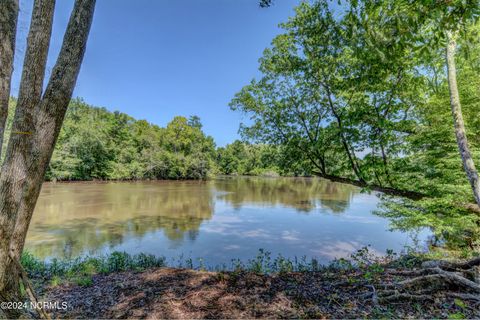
388	190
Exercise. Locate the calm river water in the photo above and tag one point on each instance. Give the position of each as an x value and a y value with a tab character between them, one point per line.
217	220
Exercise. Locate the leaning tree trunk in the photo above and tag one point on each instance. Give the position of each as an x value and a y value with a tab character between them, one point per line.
36	126
14	170
8	26
50	114
8	29
31	88
459	124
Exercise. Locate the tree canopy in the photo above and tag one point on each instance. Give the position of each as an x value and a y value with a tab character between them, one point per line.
97	144
362	95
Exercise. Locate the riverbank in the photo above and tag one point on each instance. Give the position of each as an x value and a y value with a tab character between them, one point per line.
123	286
268	174
186	294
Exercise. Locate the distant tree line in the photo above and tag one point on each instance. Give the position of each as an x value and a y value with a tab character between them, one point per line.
95	143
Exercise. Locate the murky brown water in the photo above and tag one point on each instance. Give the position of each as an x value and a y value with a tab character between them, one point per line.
216	220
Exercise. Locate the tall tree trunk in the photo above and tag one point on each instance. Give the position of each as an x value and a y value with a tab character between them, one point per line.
460	133
8	29
30	151
31	86
51	112
33	73
8	26
14	170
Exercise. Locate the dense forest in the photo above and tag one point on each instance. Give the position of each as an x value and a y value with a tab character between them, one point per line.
97	144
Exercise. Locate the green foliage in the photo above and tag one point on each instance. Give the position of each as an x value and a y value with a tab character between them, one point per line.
456	315
35	267
81	270
333	96
241	158
83	281
448	222
264	264
97	144
361	94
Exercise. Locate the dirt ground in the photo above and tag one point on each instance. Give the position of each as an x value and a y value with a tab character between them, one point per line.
188	294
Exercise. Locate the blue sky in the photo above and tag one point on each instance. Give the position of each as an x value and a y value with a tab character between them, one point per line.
155	59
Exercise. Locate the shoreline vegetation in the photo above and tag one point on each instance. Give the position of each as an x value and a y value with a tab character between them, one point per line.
126	286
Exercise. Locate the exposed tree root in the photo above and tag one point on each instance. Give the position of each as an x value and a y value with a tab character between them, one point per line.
450	266
449	279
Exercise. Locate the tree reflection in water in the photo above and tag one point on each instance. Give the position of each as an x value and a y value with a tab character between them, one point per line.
75	218
303	194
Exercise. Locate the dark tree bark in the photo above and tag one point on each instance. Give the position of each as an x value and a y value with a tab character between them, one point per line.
460	133
8	29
